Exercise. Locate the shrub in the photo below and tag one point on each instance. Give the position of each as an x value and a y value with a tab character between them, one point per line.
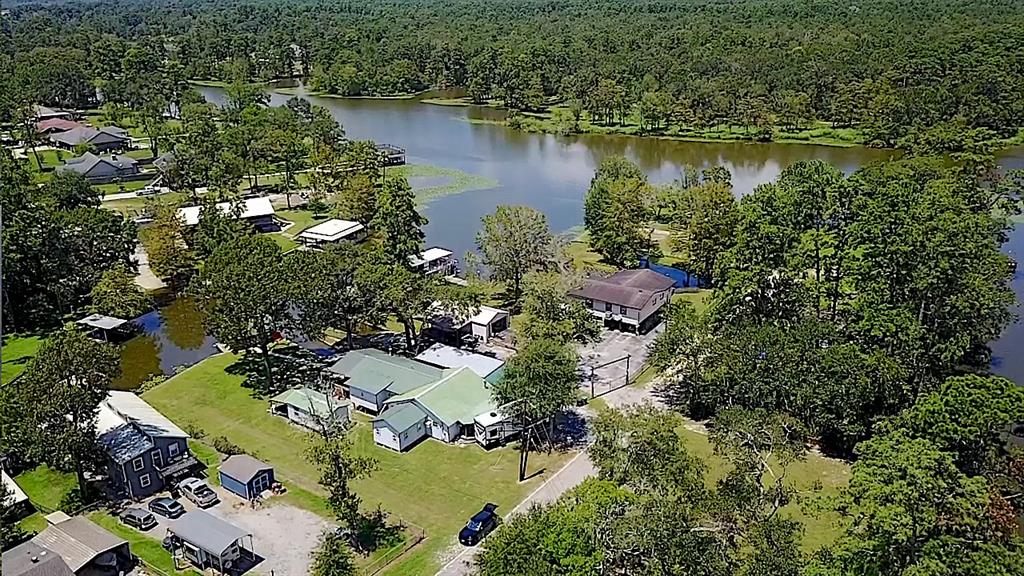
225	446
194	430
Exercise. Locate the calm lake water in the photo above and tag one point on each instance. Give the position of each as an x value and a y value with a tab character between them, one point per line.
551	173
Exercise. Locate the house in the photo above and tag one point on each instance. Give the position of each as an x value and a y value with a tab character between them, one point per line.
435	260
482	325
54	125
372	376
246	476
73	546
444	356
630	299
44	113
16	500
310	408
144	449
102	169
209	542
106	139
446	410
257	211
331	232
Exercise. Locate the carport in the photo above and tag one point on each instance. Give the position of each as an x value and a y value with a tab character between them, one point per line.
209	542
85	546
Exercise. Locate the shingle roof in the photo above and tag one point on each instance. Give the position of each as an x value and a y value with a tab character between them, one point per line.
374	370
243	467
126	425
310	401
401	417
460	396
125	442
56	125
18	561
86	162
88	134
631	288
78	541
206	531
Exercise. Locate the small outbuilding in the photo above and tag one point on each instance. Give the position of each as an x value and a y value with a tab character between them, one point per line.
484	324
246	476
399	427
105	328
85	547
332	231
310	408
209	542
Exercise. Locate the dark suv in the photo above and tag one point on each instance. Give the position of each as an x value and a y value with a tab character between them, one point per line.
479	526
138	518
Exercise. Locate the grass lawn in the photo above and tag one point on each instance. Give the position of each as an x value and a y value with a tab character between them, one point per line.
145	546
697	297
583	257
134	206
434	485
16	353
47	487
301	219
33	524
284	242
118	187
140	153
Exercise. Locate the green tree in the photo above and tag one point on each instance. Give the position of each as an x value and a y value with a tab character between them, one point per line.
11	533
615	211
326	292
67	191
243	289
515	241
164	241
705	228
549	313
359	186
333	556
397	225
117	294
216	228
62	389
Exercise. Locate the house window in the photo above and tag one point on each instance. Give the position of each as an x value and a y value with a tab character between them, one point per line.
607	306
144	481
493	433
138	464
158	458
588	303
172	450
622	309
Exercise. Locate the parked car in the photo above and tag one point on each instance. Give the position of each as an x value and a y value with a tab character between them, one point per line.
168	507
479	526
198	492
148	191
138	518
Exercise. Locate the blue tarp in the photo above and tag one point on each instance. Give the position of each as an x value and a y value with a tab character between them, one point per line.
682	278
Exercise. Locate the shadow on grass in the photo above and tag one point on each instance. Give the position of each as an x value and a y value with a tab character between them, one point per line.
290	367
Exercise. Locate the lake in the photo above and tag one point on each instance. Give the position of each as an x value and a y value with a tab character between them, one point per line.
551	173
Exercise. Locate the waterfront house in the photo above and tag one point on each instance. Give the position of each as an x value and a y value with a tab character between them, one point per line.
372	376
628	299
145	450
106	139
310	408
259	212
435	260
102	169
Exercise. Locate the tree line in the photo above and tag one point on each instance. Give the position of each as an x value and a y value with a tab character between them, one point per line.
902	72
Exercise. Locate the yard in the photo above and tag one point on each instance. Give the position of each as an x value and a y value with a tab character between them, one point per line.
17	352
434	486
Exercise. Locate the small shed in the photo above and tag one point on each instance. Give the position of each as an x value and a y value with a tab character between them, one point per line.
246	476
209	542
400	426
310	408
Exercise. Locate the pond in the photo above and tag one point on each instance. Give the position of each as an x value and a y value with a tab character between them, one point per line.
170	338
552	173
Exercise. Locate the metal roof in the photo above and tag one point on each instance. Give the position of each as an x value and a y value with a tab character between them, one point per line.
243	467
133	408
17	494
102	322
401	417
373	371
310	401
630	288
126	425
31	559
449	357
251	208
78	541
331	230
484	316
206	531
429	255
460	397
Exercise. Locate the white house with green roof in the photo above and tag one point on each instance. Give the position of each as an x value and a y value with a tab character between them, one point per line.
448	409
373	376
310	408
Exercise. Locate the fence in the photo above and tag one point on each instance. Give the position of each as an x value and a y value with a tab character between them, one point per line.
608	377
414	535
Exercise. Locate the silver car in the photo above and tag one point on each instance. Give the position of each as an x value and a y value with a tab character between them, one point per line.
199	492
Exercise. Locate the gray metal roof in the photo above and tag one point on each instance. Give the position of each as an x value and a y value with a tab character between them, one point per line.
206	531
243	467
78	541
401	417
102	322
31	559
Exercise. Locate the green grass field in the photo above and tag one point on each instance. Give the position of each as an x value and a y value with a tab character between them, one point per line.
119	187
47	487
17	352
434	485
697	297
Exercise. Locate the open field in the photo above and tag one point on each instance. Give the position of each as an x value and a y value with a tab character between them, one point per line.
434	485
17	352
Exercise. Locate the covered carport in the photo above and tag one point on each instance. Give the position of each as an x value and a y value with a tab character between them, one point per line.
85	547
209	542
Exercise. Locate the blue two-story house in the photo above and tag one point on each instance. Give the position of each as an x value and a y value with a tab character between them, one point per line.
145	450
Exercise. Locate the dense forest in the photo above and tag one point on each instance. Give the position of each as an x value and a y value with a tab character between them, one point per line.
928	72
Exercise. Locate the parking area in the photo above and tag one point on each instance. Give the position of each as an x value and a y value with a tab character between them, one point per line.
283	536
604	364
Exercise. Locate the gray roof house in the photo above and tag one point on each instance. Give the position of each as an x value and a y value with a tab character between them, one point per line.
75	546
46	113
629	299
372	376
31	559
102	169
209	542
103	139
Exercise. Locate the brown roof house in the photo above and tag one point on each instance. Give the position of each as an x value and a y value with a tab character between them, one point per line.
629	299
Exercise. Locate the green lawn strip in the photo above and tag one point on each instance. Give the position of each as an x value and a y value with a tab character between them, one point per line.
582	256
301	219
456	182
697	297
132	207
33	523
140	153
435	486
145	546
17	352
209	457
46	487
284	242
119	187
